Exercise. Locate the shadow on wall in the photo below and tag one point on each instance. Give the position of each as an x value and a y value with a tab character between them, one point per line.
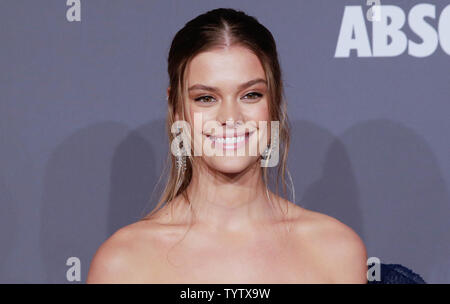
96	181
383	180
135	169
322	172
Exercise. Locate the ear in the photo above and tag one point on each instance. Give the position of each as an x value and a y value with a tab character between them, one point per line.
168	91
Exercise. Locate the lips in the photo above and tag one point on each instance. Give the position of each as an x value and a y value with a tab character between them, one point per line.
230	142
229	139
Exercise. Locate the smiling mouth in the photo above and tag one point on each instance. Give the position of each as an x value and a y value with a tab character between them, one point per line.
230	142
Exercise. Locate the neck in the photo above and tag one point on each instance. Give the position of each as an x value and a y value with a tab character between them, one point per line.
229	201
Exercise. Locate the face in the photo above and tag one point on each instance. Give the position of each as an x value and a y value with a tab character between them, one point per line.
227	90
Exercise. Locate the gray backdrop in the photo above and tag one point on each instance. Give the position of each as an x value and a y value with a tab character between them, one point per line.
82	110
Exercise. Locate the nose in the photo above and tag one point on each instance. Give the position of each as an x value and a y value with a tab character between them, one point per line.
229	114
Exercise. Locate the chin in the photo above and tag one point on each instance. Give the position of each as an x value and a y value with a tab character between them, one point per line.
231	164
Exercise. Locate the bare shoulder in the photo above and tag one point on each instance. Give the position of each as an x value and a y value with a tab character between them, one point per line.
119	259
136	253
335	245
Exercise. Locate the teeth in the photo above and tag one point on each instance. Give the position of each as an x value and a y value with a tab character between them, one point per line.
227	140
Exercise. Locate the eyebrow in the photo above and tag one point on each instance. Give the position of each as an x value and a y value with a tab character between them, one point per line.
215	89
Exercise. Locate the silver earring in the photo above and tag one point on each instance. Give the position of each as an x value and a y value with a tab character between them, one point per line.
181	159
267	153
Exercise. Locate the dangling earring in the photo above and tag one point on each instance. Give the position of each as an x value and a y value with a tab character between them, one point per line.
267	153
181	158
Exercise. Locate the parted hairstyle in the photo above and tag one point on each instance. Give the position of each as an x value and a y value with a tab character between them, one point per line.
220	28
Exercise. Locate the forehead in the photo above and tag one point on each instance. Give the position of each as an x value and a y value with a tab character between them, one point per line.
232	65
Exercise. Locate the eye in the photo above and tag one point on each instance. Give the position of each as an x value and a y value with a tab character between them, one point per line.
253	95
204	99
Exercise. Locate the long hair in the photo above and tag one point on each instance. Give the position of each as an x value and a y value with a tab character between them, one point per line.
219	28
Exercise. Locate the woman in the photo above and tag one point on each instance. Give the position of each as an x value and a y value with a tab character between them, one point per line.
217	221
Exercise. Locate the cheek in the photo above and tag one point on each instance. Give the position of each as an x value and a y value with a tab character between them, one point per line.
259	113
191	115
201	118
